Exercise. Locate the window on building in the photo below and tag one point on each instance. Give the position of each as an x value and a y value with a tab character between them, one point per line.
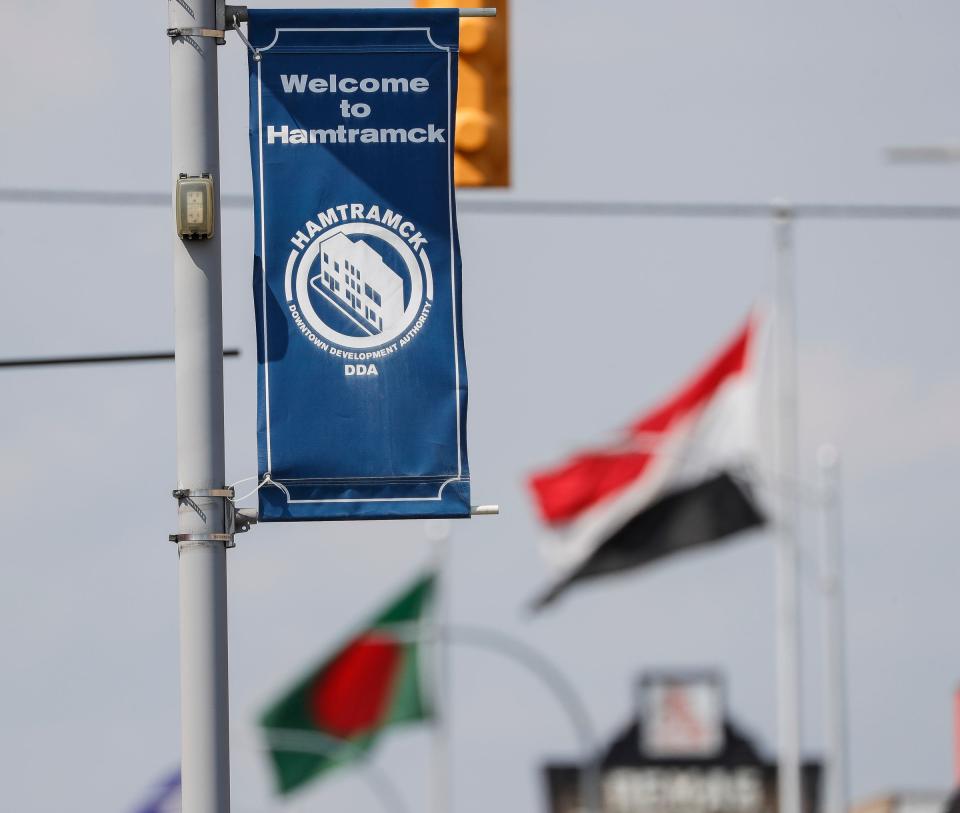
380	322
326	257
368	291
336	266
376	298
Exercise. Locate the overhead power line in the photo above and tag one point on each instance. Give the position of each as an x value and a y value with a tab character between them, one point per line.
556	208
719	210
50	361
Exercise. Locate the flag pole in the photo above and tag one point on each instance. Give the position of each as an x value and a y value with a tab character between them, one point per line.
438	532
831	581
788	598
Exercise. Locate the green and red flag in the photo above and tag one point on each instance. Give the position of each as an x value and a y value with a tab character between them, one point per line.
335	713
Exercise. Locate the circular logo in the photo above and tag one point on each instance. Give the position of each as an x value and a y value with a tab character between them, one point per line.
359	284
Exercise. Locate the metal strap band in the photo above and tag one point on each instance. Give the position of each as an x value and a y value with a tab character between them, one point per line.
184	493
213	33
201	538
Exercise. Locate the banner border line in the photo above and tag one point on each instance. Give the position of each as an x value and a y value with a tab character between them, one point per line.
453	286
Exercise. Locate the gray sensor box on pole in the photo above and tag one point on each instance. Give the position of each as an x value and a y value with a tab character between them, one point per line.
195	207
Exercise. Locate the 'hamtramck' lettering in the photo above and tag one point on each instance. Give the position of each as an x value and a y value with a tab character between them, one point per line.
357	211
356	135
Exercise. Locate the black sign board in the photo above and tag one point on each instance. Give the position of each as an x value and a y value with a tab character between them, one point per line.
736	779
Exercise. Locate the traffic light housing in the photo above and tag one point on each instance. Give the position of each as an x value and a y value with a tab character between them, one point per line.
482	143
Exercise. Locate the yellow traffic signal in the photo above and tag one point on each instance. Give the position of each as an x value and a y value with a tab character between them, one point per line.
482	143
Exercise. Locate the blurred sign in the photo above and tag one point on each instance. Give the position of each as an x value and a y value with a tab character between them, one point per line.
691	790
683	715
679	789
681	754
362	380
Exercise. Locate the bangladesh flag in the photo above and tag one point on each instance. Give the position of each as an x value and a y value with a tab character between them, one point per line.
335	713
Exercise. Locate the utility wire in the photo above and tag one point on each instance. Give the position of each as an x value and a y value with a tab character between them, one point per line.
50	361
556	208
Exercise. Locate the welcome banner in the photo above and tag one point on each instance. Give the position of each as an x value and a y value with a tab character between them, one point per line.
362	382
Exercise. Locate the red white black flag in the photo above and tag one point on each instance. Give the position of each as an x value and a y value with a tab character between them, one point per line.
678	477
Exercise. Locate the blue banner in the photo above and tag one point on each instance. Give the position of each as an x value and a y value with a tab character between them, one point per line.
362	380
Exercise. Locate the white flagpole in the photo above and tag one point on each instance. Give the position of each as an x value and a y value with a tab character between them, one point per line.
788	597
831	579
438	533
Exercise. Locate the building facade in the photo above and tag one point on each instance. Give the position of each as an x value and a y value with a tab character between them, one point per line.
356	279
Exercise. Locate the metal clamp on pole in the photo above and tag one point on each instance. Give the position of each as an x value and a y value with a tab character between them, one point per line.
217	34
484	510
230	523
184	493
226	538
187	494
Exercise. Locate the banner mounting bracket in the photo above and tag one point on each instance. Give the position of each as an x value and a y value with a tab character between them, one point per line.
235	24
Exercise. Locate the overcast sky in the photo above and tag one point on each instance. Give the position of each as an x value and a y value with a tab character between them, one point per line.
614	100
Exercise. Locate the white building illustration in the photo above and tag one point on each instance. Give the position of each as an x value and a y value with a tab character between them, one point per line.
355	278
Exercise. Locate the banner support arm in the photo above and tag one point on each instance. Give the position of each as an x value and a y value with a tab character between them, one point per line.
228	15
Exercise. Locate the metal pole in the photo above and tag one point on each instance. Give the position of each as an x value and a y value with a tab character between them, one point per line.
788	596
199	405
438	532
956	737
835	656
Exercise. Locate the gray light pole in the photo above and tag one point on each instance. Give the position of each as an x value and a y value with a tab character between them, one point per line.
789	790
203	535
835	656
